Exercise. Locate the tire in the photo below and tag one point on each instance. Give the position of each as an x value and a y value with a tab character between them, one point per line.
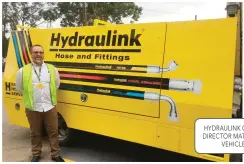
65	134
236	158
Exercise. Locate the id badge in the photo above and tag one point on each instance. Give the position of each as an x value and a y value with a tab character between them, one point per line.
39	86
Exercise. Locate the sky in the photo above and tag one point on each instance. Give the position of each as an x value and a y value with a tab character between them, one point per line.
178	11
171	11
174	11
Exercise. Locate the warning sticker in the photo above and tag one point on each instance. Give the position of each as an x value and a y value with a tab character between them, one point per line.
215	136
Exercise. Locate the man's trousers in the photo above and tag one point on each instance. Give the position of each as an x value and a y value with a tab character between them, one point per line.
50	119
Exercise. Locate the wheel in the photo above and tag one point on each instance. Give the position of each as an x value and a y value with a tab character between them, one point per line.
236	158
65	134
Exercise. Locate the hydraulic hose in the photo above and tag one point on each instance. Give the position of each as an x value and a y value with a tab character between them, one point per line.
194	86
173	115
172	66
156	69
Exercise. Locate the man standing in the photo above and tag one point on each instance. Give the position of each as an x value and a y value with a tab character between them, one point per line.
38	82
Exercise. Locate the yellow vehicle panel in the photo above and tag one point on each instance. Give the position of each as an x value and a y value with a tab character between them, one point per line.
204	51
154	83
124	52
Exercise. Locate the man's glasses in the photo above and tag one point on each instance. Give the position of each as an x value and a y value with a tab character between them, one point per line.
36	52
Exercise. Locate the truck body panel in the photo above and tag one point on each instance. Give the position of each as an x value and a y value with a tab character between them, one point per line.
144	83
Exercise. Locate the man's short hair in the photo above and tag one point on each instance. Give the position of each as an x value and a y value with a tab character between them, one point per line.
36	45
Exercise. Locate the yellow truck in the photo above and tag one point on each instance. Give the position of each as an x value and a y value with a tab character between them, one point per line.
144	83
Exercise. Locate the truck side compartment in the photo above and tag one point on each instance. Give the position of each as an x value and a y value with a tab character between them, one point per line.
144	83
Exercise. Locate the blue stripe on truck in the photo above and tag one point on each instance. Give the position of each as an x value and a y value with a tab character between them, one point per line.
16	47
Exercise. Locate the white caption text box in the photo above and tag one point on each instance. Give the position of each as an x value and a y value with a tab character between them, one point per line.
219	136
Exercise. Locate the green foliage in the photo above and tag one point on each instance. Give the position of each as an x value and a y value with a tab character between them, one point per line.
51	13
14	13
23	13
72	13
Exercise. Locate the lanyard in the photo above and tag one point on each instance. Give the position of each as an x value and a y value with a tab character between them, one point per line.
38	76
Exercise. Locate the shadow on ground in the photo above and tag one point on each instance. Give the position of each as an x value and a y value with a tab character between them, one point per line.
101	148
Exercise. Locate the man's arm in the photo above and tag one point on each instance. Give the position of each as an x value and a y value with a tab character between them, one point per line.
19	83
57	78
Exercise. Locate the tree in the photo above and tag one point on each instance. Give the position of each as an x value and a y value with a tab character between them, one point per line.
5	18
14	13
23	13
51	13
4	45
72	13
5	22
